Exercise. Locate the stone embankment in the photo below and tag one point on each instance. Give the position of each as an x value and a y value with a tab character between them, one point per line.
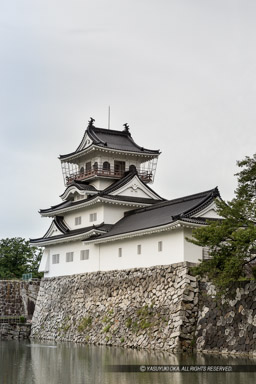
17	299
162	307
227	325
152	308
14	331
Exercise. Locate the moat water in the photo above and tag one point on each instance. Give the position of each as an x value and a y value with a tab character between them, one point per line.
32	362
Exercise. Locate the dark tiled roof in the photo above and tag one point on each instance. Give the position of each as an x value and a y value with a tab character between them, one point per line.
70	233
59	222
109	138
70	203
81	185
162	213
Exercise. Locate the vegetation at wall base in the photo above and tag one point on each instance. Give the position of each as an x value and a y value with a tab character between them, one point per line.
231	241
17	257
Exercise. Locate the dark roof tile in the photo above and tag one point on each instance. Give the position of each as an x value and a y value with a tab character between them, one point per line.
112	139
161	213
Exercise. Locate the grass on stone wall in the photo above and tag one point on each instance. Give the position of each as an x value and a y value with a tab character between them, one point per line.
85	323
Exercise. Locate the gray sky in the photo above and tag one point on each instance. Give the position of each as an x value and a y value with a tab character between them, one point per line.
182	73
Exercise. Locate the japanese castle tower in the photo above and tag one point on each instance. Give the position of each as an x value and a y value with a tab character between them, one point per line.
110	218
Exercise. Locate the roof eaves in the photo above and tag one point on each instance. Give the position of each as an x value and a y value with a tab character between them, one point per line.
160	228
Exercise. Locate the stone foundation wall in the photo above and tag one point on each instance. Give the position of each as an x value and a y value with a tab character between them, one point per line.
14	331
161	307
152	308
11	303
18	297
224	325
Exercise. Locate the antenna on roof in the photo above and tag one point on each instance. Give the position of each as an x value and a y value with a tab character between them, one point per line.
109	117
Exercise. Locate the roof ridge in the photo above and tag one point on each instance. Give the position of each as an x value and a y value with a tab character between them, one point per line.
112	131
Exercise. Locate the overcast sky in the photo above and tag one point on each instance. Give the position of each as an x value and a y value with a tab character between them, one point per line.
182	73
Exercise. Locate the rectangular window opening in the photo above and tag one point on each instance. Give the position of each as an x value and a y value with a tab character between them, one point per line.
69	257
139	249
78	220
160	246
84	254
55	259
93	217
119	252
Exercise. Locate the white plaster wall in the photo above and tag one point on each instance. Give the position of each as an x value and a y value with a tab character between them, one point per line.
113	213
44	264
211	214
105	257
101	184
69	218
172	252
77	265
192	252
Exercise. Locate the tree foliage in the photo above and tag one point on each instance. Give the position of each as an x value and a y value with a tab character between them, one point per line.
232	241
18	257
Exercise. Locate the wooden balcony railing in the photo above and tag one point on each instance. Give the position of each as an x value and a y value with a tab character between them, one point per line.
111	173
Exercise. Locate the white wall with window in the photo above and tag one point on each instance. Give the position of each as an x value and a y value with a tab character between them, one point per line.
154	249
85	258
56	258
145	251
84	254
78	220
85	215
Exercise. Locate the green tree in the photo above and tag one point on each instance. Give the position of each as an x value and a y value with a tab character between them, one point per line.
232	240
18	257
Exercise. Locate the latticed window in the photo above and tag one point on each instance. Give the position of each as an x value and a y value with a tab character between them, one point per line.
93	217
78	220
69	257
84	254
56	259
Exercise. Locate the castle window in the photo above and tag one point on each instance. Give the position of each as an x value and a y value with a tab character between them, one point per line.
106	166
84	254
88	166
55	259
95	166
69	257
81	170
160	246
119	252
139	249
78	220
119	167
93	217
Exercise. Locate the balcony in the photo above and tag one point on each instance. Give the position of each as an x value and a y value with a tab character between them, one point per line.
112	173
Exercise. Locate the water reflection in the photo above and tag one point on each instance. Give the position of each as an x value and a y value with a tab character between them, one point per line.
65	363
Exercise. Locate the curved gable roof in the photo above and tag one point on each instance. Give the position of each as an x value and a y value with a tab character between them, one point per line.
112	139
79	186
